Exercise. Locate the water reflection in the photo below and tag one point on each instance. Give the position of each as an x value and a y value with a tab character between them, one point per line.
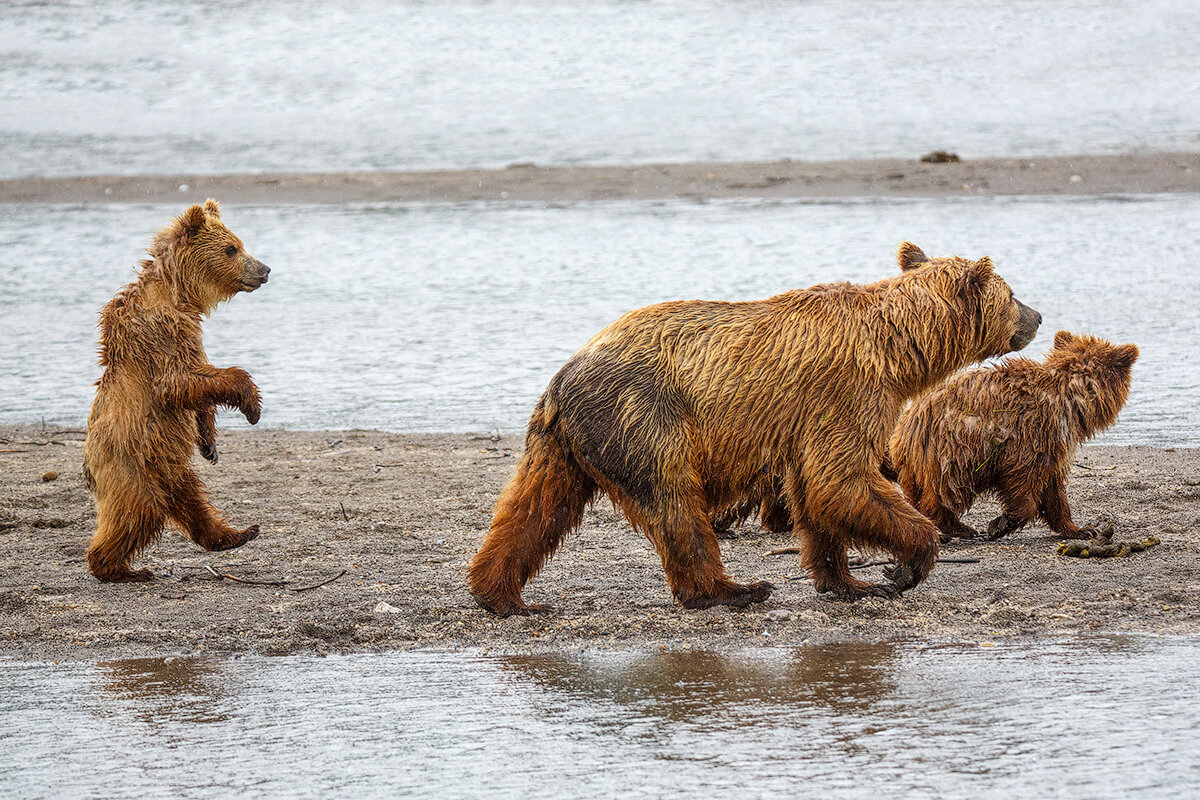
163	691
1082	718
679	686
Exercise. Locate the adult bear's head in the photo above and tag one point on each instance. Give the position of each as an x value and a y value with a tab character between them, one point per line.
1002	323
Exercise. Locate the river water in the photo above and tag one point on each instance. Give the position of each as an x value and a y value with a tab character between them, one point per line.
454	318
1091	717
135	86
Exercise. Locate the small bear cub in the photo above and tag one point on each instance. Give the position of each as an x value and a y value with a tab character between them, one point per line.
1011	429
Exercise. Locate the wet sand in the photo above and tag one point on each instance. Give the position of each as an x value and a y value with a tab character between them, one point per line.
1133	173
403	513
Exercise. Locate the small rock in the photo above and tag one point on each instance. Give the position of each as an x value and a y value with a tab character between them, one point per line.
1076	179
779	615
385	607
940	157
183	187
49	476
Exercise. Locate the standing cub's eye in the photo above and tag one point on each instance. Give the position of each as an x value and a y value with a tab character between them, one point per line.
231	250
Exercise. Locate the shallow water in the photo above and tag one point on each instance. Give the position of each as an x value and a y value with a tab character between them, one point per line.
454	318
1077	718
132	86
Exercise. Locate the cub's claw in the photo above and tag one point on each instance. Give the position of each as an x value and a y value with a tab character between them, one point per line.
209	451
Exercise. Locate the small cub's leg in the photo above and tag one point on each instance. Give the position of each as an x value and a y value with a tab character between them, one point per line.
122	533
190	508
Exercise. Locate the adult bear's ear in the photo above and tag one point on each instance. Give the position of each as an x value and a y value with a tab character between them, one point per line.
1124	356
910	256
977	276
211	207
1062	339
188	224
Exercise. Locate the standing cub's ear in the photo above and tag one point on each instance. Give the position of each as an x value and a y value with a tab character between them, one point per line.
188	224
211	207
1124	356
1062	339
909	256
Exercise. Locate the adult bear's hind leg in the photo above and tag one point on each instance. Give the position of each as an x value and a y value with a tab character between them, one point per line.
189	506
538	507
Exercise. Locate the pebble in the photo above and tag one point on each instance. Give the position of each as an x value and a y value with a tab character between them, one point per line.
386	608
49	476
779	615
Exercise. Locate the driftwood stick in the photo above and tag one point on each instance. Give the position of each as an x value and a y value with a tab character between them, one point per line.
319	585
221	576
783	551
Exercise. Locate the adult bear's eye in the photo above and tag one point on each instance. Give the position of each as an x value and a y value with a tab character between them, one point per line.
231	250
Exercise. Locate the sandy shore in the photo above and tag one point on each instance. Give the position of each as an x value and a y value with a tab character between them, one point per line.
402	514
1068	175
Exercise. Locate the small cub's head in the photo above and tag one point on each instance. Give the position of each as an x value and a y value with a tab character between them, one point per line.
207	261
1003	323
1096	375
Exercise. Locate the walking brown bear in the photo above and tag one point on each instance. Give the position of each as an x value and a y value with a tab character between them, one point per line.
1010	429
680	411
156	399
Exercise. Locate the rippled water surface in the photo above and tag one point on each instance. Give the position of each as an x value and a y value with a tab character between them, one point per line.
1082	718
454	318
132	86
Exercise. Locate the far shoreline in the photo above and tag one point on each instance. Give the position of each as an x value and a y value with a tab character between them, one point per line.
1050	176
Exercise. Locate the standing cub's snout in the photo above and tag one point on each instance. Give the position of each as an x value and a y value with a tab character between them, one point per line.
254	273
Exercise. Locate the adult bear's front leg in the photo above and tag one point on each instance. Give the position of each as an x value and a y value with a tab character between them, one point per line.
868	512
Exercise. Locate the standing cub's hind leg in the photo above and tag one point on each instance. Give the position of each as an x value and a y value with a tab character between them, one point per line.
122	533
190	508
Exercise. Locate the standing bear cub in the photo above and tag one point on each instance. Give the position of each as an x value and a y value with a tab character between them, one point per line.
156	399
684	412
1011	429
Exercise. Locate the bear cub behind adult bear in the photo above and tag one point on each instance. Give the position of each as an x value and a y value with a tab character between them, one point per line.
1010	429
156	399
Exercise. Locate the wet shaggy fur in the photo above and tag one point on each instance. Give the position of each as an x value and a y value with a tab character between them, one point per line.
682	411
156	399
1012	430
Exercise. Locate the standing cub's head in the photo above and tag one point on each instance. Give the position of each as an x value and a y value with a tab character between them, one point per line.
204	261
1003	323
1095	375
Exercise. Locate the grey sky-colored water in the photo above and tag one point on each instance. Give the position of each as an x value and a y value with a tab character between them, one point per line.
454	318
1070	719
132	86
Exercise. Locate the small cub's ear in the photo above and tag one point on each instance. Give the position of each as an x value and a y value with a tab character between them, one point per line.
1062	339
189	223
909	256
211	207
1125	355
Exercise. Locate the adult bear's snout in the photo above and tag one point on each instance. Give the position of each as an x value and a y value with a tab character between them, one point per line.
1028	321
